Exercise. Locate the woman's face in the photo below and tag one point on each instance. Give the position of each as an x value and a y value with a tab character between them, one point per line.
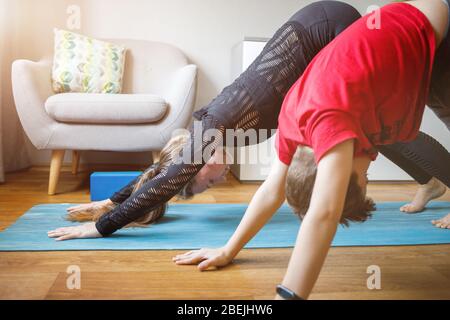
212	173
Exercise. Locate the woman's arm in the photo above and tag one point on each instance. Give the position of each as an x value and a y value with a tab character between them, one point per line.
320	223
166	184
121	195
269	197
154	192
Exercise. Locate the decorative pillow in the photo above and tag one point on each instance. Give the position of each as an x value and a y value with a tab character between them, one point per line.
84	64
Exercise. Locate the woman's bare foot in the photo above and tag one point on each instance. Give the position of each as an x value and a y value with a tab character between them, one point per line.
90	205
427	192
89	211
443	223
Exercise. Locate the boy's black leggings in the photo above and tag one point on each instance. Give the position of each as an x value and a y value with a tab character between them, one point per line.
423	159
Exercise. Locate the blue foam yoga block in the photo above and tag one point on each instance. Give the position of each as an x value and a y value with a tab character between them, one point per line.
104	184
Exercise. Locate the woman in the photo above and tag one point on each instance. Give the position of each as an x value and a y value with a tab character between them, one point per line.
253	101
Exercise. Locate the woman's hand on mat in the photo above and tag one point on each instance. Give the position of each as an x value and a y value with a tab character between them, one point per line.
205	258
86	230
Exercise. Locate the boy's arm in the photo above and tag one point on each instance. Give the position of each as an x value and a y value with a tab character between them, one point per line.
320	223
267	199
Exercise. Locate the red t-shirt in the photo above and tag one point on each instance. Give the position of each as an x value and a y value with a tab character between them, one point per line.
368	85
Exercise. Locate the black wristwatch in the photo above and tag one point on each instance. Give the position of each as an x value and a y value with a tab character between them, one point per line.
286	293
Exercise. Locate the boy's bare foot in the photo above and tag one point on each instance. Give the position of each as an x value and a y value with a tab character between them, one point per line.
443	223
427	192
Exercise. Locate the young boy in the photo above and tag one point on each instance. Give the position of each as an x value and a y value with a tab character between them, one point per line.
366	88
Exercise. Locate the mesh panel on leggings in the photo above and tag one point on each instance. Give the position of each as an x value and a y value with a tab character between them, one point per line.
253	100
284	58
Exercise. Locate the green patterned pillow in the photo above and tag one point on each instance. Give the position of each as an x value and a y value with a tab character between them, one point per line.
83	64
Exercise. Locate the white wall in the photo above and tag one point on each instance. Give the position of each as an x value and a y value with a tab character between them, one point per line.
206	30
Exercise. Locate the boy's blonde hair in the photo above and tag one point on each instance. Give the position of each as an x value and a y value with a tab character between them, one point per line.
300	181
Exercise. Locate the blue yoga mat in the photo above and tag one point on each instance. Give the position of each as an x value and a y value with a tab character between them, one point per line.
192	226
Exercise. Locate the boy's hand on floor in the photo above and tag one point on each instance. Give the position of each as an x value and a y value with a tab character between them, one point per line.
86	230
205	258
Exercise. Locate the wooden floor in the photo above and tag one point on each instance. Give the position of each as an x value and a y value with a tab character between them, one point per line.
413	272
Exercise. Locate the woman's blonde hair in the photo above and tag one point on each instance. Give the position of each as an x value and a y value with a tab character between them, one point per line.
170	151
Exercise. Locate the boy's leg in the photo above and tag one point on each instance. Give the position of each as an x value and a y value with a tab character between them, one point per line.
444	114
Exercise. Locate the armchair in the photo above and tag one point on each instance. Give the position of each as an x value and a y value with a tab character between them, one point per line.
158	95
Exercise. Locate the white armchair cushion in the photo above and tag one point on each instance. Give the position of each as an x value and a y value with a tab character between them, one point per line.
84	64
106	108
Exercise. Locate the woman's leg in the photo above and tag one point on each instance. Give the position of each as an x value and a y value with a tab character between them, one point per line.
427	161
338	15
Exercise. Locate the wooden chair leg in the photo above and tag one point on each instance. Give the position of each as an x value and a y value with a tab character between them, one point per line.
55	168
75	161
155	156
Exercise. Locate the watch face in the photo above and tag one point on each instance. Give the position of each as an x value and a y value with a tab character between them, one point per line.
286	293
